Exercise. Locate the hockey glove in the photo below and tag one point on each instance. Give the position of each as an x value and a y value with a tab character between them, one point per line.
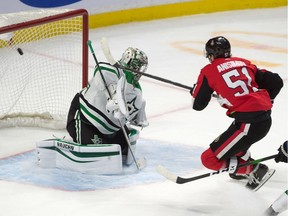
112	105
282	154
192	89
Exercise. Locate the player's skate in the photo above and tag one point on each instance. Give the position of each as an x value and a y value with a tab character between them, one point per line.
238	176
259	176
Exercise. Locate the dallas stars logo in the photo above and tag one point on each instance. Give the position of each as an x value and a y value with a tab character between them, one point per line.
96	140
131	106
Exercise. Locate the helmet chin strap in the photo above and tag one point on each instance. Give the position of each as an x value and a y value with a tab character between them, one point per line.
211	58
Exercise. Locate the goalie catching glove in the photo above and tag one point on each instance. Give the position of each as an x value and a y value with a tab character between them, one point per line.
113	107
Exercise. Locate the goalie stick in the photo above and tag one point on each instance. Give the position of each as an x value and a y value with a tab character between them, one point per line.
141	163
111	60
180	180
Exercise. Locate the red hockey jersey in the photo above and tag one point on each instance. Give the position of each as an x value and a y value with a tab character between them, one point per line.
234	81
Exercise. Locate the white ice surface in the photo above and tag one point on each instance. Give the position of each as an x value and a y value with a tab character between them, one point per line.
172	120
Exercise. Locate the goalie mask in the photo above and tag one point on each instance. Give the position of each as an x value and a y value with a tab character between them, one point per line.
135	60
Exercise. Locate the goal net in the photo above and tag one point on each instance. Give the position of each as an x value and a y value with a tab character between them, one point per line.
43	64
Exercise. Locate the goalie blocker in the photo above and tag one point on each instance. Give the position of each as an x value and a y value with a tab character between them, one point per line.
91	159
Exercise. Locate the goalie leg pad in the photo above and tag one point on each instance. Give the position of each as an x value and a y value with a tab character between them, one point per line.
92	159
46	157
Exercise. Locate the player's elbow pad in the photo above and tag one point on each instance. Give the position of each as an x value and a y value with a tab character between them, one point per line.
198	106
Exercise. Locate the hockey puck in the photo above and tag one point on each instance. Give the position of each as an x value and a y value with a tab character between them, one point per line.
20	51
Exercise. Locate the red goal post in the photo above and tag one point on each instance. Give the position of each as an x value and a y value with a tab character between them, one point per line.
43	64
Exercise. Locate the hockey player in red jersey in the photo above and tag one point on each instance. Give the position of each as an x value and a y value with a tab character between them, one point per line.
247	93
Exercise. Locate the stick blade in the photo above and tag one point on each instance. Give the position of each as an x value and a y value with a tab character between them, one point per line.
141	163
166	173
106	50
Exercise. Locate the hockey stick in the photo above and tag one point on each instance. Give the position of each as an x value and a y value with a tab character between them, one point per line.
137	163
180	180
111	60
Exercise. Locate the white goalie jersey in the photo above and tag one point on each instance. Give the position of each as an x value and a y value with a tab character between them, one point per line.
94	97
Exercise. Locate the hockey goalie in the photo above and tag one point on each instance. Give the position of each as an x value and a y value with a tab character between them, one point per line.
102	120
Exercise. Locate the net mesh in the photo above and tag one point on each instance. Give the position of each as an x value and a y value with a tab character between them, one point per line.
40	66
